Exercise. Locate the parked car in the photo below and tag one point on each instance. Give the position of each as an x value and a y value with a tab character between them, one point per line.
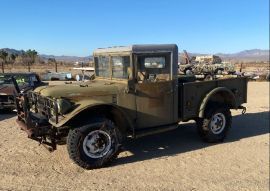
56	76
25	81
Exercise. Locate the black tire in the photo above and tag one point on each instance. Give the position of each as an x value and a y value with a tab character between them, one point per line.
79	148
54	79
219	72
208	127
208	77
267	77
188	71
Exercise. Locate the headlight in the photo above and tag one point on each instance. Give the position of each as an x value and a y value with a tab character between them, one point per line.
63	106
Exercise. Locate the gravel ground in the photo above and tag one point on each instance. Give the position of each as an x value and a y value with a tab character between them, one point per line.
176	160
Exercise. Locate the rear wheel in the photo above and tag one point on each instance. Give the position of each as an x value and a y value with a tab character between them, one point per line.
188	72
208	77
94	145
215	125
219	72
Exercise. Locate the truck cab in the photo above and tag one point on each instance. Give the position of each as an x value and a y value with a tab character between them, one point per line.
150	74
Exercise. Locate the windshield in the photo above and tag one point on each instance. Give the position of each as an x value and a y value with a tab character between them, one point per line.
120	66
20	78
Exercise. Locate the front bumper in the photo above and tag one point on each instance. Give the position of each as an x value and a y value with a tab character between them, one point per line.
7	102
43	133
7	105
35	124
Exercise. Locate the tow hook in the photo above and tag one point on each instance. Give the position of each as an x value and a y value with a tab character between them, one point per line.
244	109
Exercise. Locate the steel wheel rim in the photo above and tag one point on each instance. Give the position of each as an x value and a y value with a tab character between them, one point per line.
97	144
218	122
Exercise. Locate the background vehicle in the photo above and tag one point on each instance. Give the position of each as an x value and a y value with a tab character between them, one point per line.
137	92
56	76
25	81
209	67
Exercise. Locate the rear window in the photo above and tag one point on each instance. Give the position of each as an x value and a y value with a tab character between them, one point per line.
20	78
154	62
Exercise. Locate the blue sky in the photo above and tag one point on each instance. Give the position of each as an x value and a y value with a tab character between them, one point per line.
65	27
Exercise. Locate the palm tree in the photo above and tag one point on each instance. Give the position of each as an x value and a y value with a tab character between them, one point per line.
52	60
31	55
3	56
12	58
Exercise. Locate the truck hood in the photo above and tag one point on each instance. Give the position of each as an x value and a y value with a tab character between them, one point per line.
88	89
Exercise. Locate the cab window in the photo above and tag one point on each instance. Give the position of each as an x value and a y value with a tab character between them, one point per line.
120	67
102	66
153	67
154	62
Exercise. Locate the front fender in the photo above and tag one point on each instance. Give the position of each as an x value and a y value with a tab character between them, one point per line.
81	106
214	92
86	105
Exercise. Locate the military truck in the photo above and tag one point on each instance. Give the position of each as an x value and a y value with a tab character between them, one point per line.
210	59
136	92
207	67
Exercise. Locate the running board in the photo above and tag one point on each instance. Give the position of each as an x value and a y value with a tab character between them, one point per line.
155	130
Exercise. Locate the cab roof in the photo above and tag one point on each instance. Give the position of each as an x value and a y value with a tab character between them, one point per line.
138	49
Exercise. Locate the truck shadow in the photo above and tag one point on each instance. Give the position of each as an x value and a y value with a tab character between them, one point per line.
6	114
186	138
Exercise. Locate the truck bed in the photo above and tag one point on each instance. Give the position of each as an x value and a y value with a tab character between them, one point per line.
191	94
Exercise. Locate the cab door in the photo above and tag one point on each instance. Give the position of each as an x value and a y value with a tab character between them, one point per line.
154	90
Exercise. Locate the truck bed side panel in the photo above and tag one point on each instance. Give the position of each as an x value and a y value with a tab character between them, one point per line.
191	94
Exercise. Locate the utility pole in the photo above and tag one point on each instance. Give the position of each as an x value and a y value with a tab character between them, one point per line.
55	63
28	66
3	56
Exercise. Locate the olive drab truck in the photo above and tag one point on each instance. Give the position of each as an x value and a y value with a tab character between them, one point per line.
137	91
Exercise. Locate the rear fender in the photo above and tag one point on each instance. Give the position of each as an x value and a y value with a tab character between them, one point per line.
220	95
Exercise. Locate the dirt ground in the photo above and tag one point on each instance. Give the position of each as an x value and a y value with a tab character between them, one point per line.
176	160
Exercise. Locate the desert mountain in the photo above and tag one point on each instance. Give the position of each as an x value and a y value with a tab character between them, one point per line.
243	56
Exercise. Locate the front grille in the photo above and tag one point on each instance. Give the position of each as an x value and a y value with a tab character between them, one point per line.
7	98
3	98
43	105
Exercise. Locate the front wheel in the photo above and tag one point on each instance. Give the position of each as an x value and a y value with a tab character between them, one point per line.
215	125
94	145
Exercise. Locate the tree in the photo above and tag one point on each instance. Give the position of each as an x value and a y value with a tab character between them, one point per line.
3	56
19	60
53	61
30	57
12	58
